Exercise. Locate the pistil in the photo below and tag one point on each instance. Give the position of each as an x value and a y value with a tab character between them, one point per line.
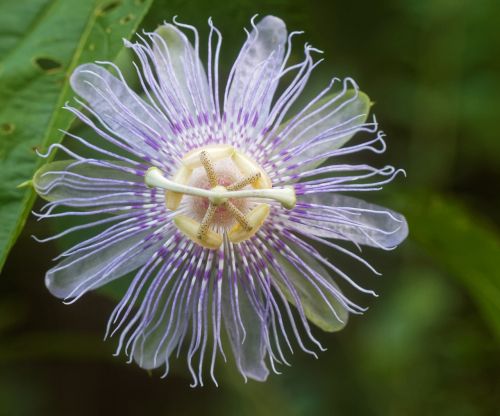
286	195
219	196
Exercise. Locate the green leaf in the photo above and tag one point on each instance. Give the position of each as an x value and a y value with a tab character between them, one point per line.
466	246
42	42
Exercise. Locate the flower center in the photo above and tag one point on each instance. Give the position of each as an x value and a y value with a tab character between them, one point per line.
217	189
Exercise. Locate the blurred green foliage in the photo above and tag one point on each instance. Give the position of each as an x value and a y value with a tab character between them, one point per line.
428	345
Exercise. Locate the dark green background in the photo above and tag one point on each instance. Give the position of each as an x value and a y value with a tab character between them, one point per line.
430	343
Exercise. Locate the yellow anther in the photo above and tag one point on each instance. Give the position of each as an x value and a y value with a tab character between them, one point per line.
190	229
238	215
248	168
209	168
173	199
205	223
255	218
249	180
216	152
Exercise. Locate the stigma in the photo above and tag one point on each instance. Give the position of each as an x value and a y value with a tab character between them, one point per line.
219	190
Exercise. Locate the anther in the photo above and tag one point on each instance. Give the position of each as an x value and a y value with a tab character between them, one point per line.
249	180
207	220
238	215
173	199
209	168
248	167
216	152
255	218
190	228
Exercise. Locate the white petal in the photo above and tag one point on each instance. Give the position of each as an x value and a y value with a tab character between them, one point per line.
331	316
123	110
325	126
159	337
249	347
353	219
79	272
56	180
180	69
257	68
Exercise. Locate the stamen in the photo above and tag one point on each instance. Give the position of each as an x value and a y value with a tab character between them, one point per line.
249	180
190	227
209	168
207	219
173	199
238	215
216	151
256	218
247	167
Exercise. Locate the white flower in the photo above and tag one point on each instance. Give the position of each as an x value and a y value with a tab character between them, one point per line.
217	203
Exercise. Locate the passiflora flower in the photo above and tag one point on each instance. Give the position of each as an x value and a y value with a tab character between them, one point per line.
217	200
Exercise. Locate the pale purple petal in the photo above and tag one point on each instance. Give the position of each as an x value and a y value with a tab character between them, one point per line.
188	296
255	75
